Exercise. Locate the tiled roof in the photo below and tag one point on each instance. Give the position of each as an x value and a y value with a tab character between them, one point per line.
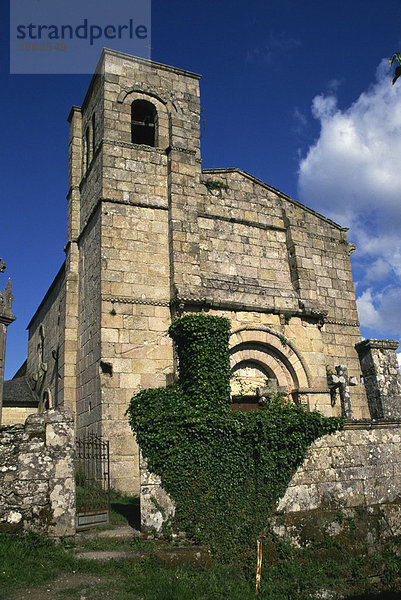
16	392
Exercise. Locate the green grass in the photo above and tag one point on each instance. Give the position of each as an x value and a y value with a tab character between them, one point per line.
28	561
124	509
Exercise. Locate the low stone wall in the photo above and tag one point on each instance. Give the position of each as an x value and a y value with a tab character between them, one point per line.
349	480
360	465
37	485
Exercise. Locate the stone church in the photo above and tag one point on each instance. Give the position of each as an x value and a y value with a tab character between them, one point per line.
151	235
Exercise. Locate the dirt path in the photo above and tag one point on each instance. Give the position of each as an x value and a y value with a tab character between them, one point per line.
73	586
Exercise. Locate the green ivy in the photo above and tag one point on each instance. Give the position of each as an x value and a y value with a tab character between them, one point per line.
225	470
215	184
204	364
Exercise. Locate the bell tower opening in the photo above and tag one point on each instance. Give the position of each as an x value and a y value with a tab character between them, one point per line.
143	123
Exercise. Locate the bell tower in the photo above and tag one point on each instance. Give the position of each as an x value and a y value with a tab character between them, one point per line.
134	178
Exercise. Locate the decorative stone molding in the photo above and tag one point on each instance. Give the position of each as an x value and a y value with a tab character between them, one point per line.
344	323
125	300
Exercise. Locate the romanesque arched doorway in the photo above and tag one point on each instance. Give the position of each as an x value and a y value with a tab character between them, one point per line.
261	356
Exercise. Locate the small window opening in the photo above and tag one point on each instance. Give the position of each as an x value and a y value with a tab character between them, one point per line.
106	368
143	123
46	401
87	147
93	134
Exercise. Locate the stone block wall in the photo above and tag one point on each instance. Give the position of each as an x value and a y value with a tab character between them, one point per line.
37	484
155	504
88	368
46	343
355	467
382	377
16	414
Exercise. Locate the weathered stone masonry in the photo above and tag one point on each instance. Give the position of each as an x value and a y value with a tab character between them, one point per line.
37	484
150	235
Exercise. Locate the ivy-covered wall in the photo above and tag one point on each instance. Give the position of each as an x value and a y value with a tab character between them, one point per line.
224	470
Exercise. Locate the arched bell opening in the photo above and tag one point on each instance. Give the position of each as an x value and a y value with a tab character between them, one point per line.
143	123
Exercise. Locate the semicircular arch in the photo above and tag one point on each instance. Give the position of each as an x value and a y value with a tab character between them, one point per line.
275	350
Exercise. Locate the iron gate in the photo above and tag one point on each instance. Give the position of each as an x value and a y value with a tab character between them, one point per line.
92	477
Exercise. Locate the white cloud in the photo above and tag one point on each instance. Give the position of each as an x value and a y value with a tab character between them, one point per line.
380	311
378	270
367	311
354	165
399	359
352	173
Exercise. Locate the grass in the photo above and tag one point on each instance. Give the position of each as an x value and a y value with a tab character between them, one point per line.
124	509
28	561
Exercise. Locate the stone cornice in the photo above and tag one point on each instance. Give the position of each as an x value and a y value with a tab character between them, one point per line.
6	320
342	322
373	424
380	344
128	300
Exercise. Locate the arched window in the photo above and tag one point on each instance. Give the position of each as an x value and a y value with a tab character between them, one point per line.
143	123
46	401
247	377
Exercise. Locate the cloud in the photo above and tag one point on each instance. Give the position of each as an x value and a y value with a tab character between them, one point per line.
354	166
300	120
334	84
278	45
399	359
380	310
352	174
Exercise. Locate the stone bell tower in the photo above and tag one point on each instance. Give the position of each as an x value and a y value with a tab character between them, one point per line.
6	317
133	182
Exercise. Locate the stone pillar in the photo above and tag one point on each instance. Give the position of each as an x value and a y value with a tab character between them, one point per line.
382	377
156	505
6	317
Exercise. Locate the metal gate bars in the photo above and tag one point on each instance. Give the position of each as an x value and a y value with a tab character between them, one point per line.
92	477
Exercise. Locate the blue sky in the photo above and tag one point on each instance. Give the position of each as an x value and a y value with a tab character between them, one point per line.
297	93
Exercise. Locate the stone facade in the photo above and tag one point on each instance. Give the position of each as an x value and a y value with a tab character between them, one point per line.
37	484
151	236
360	466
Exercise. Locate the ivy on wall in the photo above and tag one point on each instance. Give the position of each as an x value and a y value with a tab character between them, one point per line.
225	470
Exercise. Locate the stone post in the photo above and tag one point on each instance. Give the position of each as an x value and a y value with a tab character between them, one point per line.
382	377
6	317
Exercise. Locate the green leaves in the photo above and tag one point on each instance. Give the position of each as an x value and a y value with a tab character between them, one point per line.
225	470
397	72
204	365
